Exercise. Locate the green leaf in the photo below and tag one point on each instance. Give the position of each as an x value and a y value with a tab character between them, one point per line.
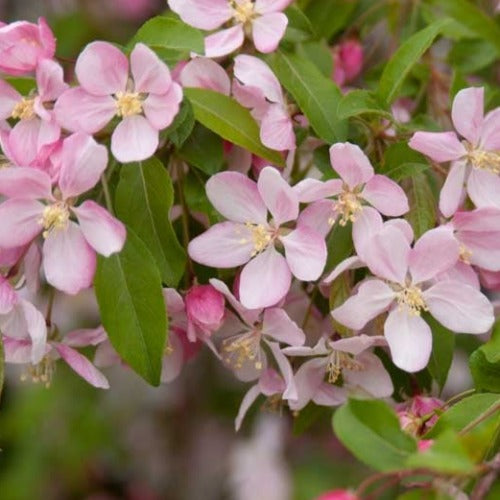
370	430
2	366
484	363
470	56
405	170
174	39
227	118
129	293
316	95
340	291
143	200
318	53
308	416
472	18
407	55
23	85
446	455
360	102
299	27
330	16
339	244
204	150
182	126
443	343
422	215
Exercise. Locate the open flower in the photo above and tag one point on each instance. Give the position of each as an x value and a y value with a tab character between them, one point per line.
69	249
145	102
23	45
260	19
475	159
36	126
357	187
249	238
407	288
345	362
258	88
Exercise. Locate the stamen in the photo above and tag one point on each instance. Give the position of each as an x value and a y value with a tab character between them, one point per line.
411	298
41	373
483	160
243	11
24	109
128	103
261	237
242	348
348	205
465	253
337	361
54	217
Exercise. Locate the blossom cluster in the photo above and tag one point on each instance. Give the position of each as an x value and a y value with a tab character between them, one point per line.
267	322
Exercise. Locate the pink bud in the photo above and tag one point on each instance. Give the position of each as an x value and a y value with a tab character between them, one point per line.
205	307
423	405
348	61
337	495
424	444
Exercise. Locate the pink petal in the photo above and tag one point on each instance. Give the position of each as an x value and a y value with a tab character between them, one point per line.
265	6
353	262
207	74
50	80
452	192
435	252
278	196
160	110
357	344
410	340
134	139
386	196
251	97
8	296
461	272
389	254
268	30
36	329
404	226
318	216
265	280
150	74
278	325
83	161
330	395
367	224
305	252
25	182
81	365
250	70
77	110
224	245
172	362
276	129
286	371
224	42
309	190
349	161
105	234
490	136
439	146
68	260
483	188
248	400
467	113
20	222
308	380
236	197
9	97
85	337
203	14
373	298
459	307
102	69
16	351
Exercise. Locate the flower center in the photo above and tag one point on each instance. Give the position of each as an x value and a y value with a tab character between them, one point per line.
348	205
24	109
261	237
54	217
337	361
242	348
128	103
411	298
41	372
483	160
243	11
465	254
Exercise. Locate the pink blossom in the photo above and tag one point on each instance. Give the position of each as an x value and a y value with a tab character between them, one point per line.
36	128
362	372
69	249
19	350
257	88
358	185
407	287
424	444
146	101
244	336
347	61
260	19
23	45
249	238
338	495
475	159
418	416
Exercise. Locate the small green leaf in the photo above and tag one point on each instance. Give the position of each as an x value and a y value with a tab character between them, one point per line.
407	55
227	118
470	56
143	200
370	430
318	53
360	102
182	126
422	215
129	293
299	27
405	170
316	95
204	150
330	16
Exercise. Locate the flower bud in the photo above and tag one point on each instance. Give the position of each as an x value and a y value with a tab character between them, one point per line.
205	307
348	61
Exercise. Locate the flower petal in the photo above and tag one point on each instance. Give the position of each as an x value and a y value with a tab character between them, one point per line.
490	138
483	188
268	30
265	280
467	113
372	378
410	340
68	260
310	190
224	42
248	400
459	307
308	379
25	182
172	362
278	325
265	6
386	196
50	80
160	110
318	216
349	161
206	74
20	222
439	146
203	14
276	129
285	368
151	75
367	224
452	192
36	329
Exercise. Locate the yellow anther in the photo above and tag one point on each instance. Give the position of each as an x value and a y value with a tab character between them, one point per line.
483	160
54	217
243	11
411	298
465	254
348	205
243	348
41	372
261	237
337	361
128	103
24	109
